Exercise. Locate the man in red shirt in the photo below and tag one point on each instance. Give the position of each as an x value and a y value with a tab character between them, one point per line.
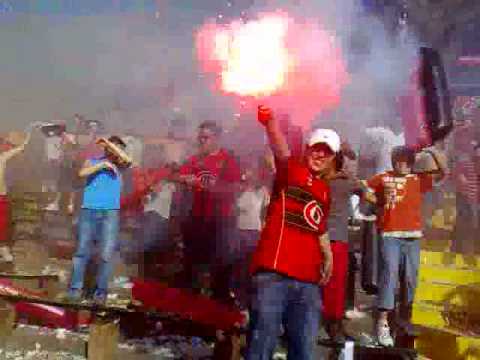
293	256
212	175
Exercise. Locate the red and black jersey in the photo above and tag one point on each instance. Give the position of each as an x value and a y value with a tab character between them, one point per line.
297	216
222	166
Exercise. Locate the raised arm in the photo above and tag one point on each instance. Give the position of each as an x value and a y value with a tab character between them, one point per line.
347	151
277	139
441	164
88	168
7	155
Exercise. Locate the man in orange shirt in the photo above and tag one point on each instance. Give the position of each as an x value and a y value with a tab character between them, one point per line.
399	196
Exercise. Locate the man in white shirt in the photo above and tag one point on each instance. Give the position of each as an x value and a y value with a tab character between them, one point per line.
251	205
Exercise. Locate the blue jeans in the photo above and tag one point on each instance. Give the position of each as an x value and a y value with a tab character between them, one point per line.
103	225
277	299
393	253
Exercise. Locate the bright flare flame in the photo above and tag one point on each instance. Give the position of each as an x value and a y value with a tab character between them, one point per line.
255	59
293	66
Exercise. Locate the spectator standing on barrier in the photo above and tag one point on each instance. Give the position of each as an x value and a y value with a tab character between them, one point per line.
399	196
99	218
212	175
53	144
67	173
155	220
374	158
5	253
293	255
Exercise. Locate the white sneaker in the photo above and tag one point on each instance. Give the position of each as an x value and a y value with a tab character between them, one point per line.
52	207
70	209
5	254
383	335
355	314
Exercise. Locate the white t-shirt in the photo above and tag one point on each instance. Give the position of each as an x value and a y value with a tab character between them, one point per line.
250	205
54	148
161	201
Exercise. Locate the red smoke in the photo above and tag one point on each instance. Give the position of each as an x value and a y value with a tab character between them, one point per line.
294	67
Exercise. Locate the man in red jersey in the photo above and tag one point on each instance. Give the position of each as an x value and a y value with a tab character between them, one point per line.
213	175
293	256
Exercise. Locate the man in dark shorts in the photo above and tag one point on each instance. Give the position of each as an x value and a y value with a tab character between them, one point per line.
212	175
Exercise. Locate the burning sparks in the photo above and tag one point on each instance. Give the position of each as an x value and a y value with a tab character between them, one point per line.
290	65
255	59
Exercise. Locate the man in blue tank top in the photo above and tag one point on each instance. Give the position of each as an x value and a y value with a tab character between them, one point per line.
99	219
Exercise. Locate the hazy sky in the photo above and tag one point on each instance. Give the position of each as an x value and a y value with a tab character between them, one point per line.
86	56
61	57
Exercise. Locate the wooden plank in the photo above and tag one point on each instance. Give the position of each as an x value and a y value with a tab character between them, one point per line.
36	257
103	339
228	347
7	320
99	310
48	282
69	305
25	276
52	288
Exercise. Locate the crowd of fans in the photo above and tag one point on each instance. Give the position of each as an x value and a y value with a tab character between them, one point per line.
245	226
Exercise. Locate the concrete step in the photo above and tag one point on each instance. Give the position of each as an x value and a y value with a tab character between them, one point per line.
430	315
437	258
442	344
436	292
455	314
448	275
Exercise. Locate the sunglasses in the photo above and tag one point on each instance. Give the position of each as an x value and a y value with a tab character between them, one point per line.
204	137
321	150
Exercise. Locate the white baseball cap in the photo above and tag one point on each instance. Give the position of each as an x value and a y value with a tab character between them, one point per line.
325	136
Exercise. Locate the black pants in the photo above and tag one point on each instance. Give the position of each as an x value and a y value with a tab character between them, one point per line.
352	271
370	255
206	248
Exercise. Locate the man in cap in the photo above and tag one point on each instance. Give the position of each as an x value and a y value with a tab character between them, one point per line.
293	257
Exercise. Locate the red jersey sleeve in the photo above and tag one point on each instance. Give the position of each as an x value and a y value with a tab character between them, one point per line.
426	182
375	183
188	167
231	173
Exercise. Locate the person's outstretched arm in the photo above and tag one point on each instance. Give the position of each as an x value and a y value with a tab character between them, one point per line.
277	139
7	155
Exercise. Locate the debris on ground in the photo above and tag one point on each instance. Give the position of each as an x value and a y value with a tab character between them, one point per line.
38	355
162	347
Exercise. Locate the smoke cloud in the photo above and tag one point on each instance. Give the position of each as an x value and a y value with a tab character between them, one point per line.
138	70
